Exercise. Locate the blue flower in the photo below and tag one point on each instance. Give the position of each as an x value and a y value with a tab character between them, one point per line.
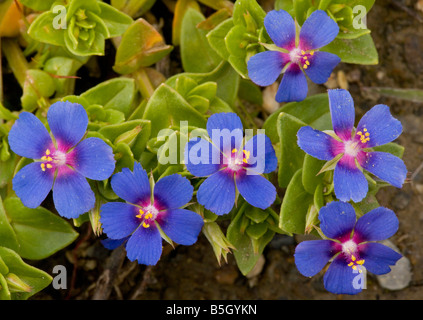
295	58
231	166
62	162
146	213
351	247
353	147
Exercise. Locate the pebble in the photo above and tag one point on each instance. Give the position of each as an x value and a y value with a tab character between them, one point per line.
401	200
400	275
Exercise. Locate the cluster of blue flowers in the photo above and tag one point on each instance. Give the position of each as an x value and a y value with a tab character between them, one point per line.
232	165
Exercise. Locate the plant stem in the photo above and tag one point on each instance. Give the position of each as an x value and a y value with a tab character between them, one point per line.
16	59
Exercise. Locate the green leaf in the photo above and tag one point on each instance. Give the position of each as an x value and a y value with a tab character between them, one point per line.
295	205
7	234
35	278
4	290
117	94
62	66
167	107
39	232
301	8
216	38
38	5
141	130
310	177
116	21
290	155
42	29
196	54
243	7
256	215
247	251
250	92
360	50
141	46
38	85
314	111
414	95
226	78
392	147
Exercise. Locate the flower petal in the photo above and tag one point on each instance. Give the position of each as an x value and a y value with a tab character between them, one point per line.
226	131
349	182
378	258
341	279
28	137
173	191
112	244
317	143
386	167
118	219
182	226
312	256
321	66
293	86
381	126
317	31
217	192
342	111
280	27
262	156
72	194
337	219
68	123
265	67
32	185
378	224
145	245
256	190
132	186
94	159
199	157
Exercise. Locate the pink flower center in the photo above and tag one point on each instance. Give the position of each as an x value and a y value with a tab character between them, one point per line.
301	57
350	251
237	160
53	159
147	214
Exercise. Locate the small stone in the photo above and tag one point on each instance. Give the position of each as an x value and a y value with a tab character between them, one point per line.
270	105
226	275
401	200
257	269
400	275
342	80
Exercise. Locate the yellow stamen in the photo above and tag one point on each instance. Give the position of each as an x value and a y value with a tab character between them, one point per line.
148	216
145	225
48	152
140	214
305	66
43	167
44	158
247	154
308	62
302	52
311	53
49	166
234	150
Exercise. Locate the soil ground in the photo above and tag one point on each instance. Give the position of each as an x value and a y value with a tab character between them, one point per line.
193	272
